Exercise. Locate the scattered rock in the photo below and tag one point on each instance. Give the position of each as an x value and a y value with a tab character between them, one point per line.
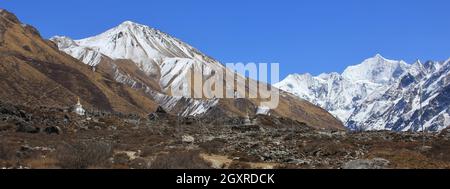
53	130
376	163
189	120
112	128
121	158
425	148
152	116
298	161
187	139
139	163
5	126
66	119
246	128
23	127
160	110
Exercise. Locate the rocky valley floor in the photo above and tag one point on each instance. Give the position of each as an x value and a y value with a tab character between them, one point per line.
45	137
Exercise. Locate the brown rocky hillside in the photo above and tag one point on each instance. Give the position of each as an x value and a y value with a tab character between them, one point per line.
34	72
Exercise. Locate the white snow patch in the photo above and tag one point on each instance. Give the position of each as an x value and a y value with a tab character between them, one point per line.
263	110
446	120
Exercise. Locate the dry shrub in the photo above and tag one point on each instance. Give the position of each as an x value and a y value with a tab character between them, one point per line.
6	151
244	157
239	165
440	150
151	150
82	155
287	166
6	127
214	146
121	158
43	163
407	159
326	149
180	160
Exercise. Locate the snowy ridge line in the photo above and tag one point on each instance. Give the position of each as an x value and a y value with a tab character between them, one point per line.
380	94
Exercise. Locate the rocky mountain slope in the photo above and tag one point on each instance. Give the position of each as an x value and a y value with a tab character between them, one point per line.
130	69
380	94
34	72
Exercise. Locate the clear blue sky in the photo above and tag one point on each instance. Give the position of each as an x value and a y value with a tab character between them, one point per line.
302	35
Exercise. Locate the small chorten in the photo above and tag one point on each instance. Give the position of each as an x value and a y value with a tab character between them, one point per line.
78	109
247	120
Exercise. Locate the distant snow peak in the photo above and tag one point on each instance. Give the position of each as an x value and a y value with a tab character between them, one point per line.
376	70
380	94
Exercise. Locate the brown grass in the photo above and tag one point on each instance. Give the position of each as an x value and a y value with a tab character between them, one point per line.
214	146
239	165
407	159
6	152
43	163
82	155
180	160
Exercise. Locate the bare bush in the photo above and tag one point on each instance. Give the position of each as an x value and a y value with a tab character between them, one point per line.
6	152
180	160
82	155
214	146
239	165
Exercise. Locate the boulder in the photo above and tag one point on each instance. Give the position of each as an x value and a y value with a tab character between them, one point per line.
160	110
187	139
53	130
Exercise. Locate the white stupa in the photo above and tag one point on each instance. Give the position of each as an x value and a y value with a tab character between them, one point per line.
78	109
247	120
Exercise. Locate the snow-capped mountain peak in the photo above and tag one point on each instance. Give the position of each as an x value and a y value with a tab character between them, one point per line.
155	53
130	23
163	59
341	93
130	37
380	94
376	70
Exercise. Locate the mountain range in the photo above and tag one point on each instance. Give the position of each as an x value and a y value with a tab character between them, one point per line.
381	94
130	68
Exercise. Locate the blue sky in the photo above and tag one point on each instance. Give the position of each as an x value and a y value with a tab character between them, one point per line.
302	35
